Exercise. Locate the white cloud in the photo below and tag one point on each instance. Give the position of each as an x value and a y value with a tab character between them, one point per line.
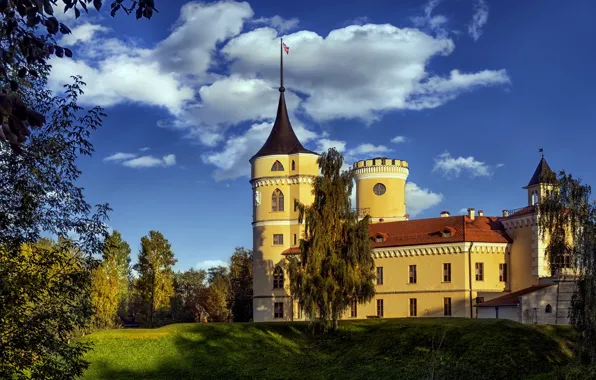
419	199
323	145
144	149
398	139
433	23
449	166
387	71
479	19
463	211
278	23
150	161
367	149
206	264
500	165
132	161
120	156
82	33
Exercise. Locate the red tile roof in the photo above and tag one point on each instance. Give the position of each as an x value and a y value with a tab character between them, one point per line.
512	299
452	229
291	251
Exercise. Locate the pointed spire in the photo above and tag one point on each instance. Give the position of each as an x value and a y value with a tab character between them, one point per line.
542	171
282	139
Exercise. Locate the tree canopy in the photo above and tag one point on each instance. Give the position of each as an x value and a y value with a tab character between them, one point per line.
568	222
335	264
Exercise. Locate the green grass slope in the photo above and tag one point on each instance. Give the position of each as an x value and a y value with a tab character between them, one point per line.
371	349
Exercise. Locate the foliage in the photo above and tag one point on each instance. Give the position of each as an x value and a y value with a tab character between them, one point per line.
335	264
155	282
365	349
190	292
110	282
568	220
241	285
38	196
218	294
28	31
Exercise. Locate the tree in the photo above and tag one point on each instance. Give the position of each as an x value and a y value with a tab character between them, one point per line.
190	295
110	282
568	222
155	282
26	48
241	285
218	295
335	263
38	196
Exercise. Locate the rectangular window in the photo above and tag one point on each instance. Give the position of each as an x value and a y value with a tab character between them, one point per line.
413	307
299	311
380	308
479	300
412	274
479	271
446	272
379	275
295	239
503	272
278	310
354	310
447	306
278	239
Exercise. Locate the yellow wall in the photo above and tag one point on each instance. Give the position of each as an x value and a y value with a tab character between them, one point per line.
294	184
391	205
521	258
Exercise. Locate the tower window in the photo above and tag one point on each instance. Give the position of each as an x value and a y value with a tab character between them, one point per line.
412	274
293	165
277	200
278	310
534	197
503	272
278	239
278	278
277	167
548	309
379	275
379	189
479	271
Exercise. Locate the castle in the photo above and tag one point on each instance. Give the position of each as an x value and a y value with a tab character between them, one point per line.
443	266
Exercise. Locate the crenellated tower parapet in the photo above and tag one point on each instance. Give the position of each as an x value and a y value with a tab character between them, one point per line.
381	188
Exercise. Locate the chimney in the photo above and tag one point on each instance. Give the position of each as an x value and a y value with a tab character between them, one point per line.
505	213
471	213
444	214
480	213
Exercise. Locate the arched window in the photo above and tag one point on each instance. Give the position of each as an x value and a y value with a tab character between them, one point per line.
293	165
548	309
277	167
278	278
277	201
534	197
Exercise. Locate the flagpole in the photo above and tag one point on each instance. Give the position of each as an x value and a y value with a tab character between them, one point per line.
281	64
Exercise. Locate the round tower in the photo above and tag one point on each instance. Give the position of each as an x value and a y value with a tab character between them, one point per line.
381	189
282	171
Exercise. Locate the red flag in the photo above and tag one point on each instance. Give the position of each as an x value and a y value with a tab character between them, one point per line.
286	48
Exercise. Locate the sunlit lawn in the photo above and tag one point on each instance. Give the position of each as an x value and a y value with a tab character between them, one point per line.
371	349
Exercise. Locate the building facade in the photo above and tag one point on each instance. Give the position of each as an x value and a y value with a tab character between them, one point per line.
441	266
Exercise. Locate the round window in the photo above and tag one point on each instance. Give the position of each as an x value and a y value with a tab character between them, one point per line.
379	189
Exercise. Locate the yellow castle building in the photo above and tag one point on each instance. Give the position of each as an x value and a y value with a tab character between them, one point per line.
443	266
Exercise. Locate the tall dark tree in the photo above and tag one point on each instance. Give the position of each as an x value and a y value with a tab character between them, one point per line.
218	295
335	263
38	196
155	283
568	222
190	294
241	285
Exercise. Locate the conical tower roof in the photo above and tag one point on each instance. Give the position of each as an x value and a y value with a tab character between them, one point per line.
542	171
282	139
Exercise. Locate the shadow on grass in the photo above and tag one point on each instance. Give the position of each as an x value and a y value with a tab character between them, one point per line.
381	349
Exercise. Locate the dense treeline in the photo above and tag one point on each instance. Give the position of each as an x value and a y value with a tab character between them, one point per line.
149	293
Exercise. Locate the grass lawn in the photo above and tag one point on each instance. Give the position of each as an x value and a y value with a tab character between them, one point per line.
369	349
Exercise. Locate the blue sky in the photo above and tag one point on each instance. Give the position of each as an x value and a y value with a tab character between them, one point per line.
466	91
